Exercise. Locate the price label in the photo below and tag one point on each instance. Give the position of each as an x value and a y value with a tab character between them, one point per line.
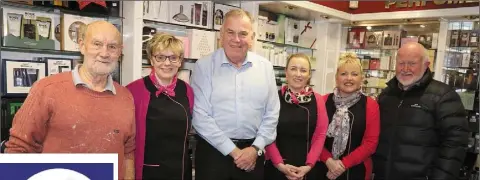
29	15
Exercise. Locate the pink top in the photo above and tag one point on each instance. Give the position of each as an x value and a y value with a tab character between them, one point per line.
318	139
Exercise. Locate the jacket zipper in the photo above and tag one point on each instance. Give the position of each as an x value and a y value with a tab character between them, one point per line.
185	138
389	164
308	132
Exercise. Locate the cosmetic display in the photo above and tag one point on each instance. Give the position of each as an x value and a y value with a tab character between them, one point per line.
19	76
158	10
72	28
28	29
191	13
58	65
219	14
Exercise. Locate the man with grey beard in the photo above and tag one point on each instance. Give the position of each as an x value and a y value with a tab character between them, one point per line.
424	130
82	111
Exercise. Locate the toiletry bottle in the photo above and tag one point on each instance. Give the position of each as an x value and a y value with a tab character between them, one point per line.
191	14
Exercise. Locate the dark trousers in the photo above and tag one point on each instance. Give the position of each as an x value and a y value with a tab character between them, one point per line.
211	164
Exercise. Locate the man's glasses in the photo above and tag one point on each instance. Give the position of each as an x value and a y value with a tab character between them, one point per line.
172	59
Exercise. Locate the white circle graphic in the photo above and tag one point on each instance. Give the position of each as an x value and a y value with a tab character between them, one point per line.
58	174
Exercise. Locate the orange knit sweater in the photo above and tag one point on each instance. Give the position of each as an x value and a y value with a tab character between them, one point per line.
59	117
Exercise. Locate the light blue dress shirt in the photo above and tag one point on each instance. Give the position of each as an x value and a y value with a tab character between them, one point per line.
235	103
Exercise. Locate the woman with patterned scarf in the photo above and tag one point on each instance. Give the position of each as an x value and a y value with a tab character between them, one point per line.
163	107
301	128
354	123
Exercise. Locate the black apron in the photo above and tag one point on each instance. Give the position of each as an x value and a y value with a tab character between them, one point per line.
168	120
295	129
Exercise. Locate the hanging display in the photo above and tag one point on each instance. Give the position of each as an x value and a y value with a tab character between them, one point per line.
20	75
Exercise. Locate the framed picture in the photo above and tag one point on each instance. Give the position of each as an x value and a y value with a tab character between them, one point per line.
20	75
219	14
58	65
184	74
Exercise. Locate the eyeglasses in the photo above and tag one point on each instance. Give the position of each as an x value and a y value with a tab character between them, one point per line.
172	58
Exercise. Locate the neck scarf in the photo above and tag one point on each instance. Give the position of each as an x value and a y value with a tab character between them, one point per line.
339	128
169	89
301	97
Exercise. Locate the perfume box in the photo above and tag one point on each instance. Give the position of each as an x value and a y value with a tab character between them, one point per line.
156	10
28	29
72	28
191	13
473	42
464	38
373	39
219	12
454	38
356	37
202	43
426	40
374	64
292	31
262	28
391	39
308	34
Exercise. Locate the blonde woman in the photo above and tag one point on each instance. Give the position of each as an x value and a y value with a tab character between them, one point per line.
163	106
354	123
301	128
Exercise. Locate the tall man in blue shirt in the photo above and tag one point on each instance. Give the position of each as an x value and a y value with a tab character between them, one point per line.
236	105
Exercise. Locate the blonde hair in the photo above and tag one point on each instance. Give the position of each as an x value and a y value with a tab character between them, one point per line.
349	58
239	12
162	42
299	55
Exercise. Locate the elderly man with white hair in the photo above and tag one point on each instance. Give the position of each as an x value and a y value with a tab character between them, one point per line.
424	130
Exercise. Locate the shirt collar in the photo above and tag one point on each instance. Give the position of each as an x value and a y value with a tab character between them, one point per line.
225	59
78	81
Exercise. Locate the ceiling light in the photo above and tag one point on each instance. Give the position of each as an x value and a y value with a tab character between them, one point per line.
422	26
369	27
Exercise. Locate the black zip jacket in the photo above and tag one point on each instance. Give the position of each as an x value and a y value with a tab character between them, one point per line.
423	132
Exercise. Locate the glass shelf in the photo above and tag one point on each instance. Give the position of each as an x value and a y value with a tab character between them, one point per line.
40	51
57	10
285	45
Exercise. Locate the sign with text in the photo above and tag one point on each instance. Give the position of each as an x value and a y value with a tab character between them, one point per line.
59	166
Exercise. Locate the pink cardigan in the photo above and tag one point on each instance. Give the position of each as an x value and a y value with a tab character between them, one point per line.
318	139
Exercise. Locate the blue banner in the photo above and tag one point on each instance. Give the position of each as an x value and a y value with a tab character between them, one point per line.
44	171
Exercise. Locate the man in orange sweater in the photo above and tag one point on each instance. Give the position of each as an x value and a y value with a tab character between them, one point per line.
83	111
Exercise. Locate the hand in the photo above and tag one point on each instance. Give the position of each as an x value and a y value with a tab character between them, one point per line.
235	153
247	159
335	168
289	171
331	176
303	170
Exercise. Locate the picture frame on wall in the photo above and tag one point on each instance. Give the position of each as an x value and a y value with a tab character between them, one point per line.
58	65
219	12
20	75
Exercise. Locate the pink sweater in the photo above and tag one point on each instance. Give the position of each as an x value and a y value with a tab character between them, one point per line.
318	139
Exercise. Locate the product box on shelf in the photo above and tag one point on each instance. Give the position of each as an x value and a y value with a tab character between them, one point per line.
391	39
73	27
464	38
219	12
373	39
308	34
191	13
292	31
473	38
429	41
262	28
356	37
454	38
156	10
28	29
20	75
202	43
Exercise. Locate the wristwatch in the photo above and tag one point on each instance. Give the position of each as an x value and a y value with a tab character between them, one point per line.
259	151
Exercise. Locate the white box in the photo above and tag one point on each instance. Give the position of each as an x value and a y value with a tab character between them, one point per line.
191	13
308	34
202	43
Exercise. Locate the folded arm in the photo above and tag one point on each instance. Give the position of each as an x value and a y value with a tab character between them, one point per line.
319	135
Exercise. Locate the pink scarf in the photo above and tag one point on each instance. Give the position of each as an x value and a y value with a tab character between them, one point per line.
169	89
